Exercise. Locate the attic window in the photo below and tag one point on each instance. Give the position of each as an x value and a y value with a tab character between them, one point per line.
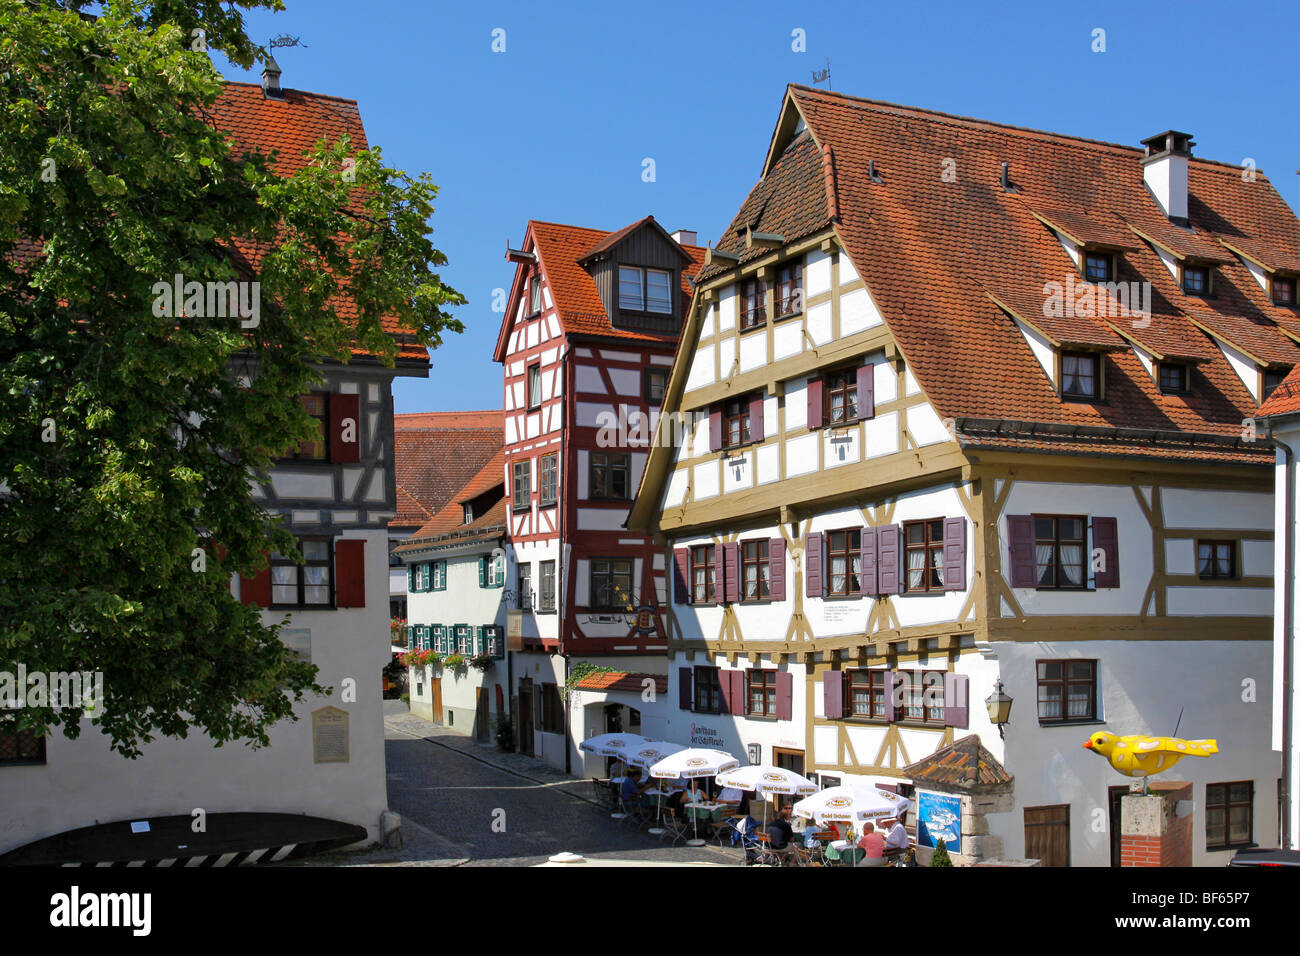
1196	280
1079	376
535	295
1100	267
645	290
1283	291
469	513
1272	379
1173	378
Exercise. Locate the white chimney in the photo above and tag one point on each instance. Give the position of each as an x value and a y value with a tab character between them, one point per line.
1164	170
271	80
686	237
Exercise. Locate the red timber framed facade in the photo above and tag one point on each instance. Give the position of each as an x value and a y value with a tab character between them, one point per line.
591	328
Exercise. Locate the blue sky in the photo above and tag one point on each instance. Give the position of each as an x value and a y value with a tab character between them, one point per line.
557	126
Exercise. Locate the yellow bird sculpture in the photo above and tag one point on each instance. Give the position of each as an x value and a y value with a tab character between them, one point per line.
1138	755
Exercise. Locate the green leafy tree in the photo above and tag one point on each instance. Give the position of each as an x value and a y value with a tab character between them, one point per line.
128	439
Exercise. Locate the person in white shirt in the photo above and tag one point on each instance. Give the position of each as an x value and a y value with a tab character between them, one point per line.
897	839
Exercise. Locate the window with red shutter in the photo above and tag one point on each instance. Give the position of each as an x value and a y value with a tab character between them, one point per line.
350	572
814	586
345	428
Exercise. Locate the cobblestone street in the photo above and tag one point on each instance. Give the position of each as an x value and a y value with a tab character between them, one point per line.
450	790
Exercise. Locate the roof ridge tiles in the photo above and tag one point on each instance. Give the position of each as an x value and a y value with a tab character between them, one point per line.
863	102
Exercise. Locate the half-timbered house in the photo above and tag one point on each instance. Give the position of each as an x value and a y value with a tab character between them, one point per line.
963	404
591	324
336	494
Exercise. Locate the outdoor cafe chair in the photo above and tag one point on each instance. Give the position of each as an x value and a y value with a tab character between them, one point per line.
675	825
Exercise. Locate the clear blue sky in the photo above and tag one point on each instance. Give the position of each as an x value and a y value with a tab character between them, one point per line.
557	126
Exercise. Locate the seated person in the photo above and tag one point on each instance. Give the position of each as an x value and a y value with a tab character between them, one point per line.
897	841
730	799
694	793
780	829
633	789
872	842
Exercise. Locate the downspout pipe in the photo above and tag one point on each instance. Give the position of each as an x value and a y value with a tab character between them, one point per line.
1288	840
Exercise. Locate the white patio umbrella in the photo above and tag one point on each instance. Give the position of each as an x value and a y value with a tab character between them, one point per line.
694	762
765	779
644	756
850	804
611	745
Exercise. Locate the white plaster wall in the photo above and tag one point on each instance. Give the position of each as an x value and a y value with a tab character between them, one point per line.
1138	696
83	781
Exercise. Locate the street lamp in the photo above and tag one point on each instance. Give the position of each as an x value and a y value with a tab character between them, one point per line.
999	705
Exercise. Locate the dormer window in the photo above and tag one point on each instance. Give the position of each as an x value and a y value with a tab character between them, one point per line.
753	303
1283	291
1273	378
1173	378
535	295
469	513
1196	280
789	289
645	290
1080	380
1100	267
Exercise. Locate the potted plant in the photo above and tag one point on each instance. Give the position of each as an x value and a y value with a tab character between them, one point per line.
482	661
940	855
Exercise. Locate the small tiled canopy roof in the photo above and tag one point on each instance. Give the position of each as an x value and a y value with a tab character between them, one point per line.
1285	398
449	522
965	765
623	680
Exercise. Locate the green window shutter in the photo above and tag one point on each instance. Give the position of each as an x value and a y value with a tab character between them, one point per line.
410	637
410	577
480	640
424	637
482	571
500	566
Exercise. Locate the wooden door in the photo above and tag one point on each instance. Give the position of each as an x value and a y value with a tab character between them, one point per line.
791	760
1114	795
1047	834
481	729
436	687
525	711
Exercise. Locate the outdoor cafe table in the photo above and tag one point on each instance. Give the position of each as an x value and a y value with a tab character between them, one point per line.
706	805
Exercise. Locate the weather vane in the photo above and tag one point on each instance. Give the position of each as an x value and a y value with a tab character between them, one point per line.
819	75
285	40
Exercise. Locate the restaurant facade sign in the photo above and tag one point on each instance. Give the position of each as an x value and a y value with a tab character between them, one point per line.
702	736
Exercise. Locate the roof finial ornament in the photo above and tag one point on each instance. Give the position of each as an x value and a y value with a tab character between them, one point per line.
820	75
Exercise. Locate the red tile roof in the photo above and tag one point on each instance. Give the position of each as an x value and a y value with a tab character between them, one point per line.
964	764
1285	398
448	525
291	126
928	250
560	248
436	454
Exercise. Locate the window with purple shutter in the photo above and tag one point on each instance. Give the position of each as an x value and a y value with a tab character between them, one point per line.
954	554
867	391
725	687
956	700
833	694
893	695
870	575
776	568
784	695
1020	534
731	574
682	575
715	428
685	685
887	559
814	403
739	693
756	417
815	585
719	579
1105	536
